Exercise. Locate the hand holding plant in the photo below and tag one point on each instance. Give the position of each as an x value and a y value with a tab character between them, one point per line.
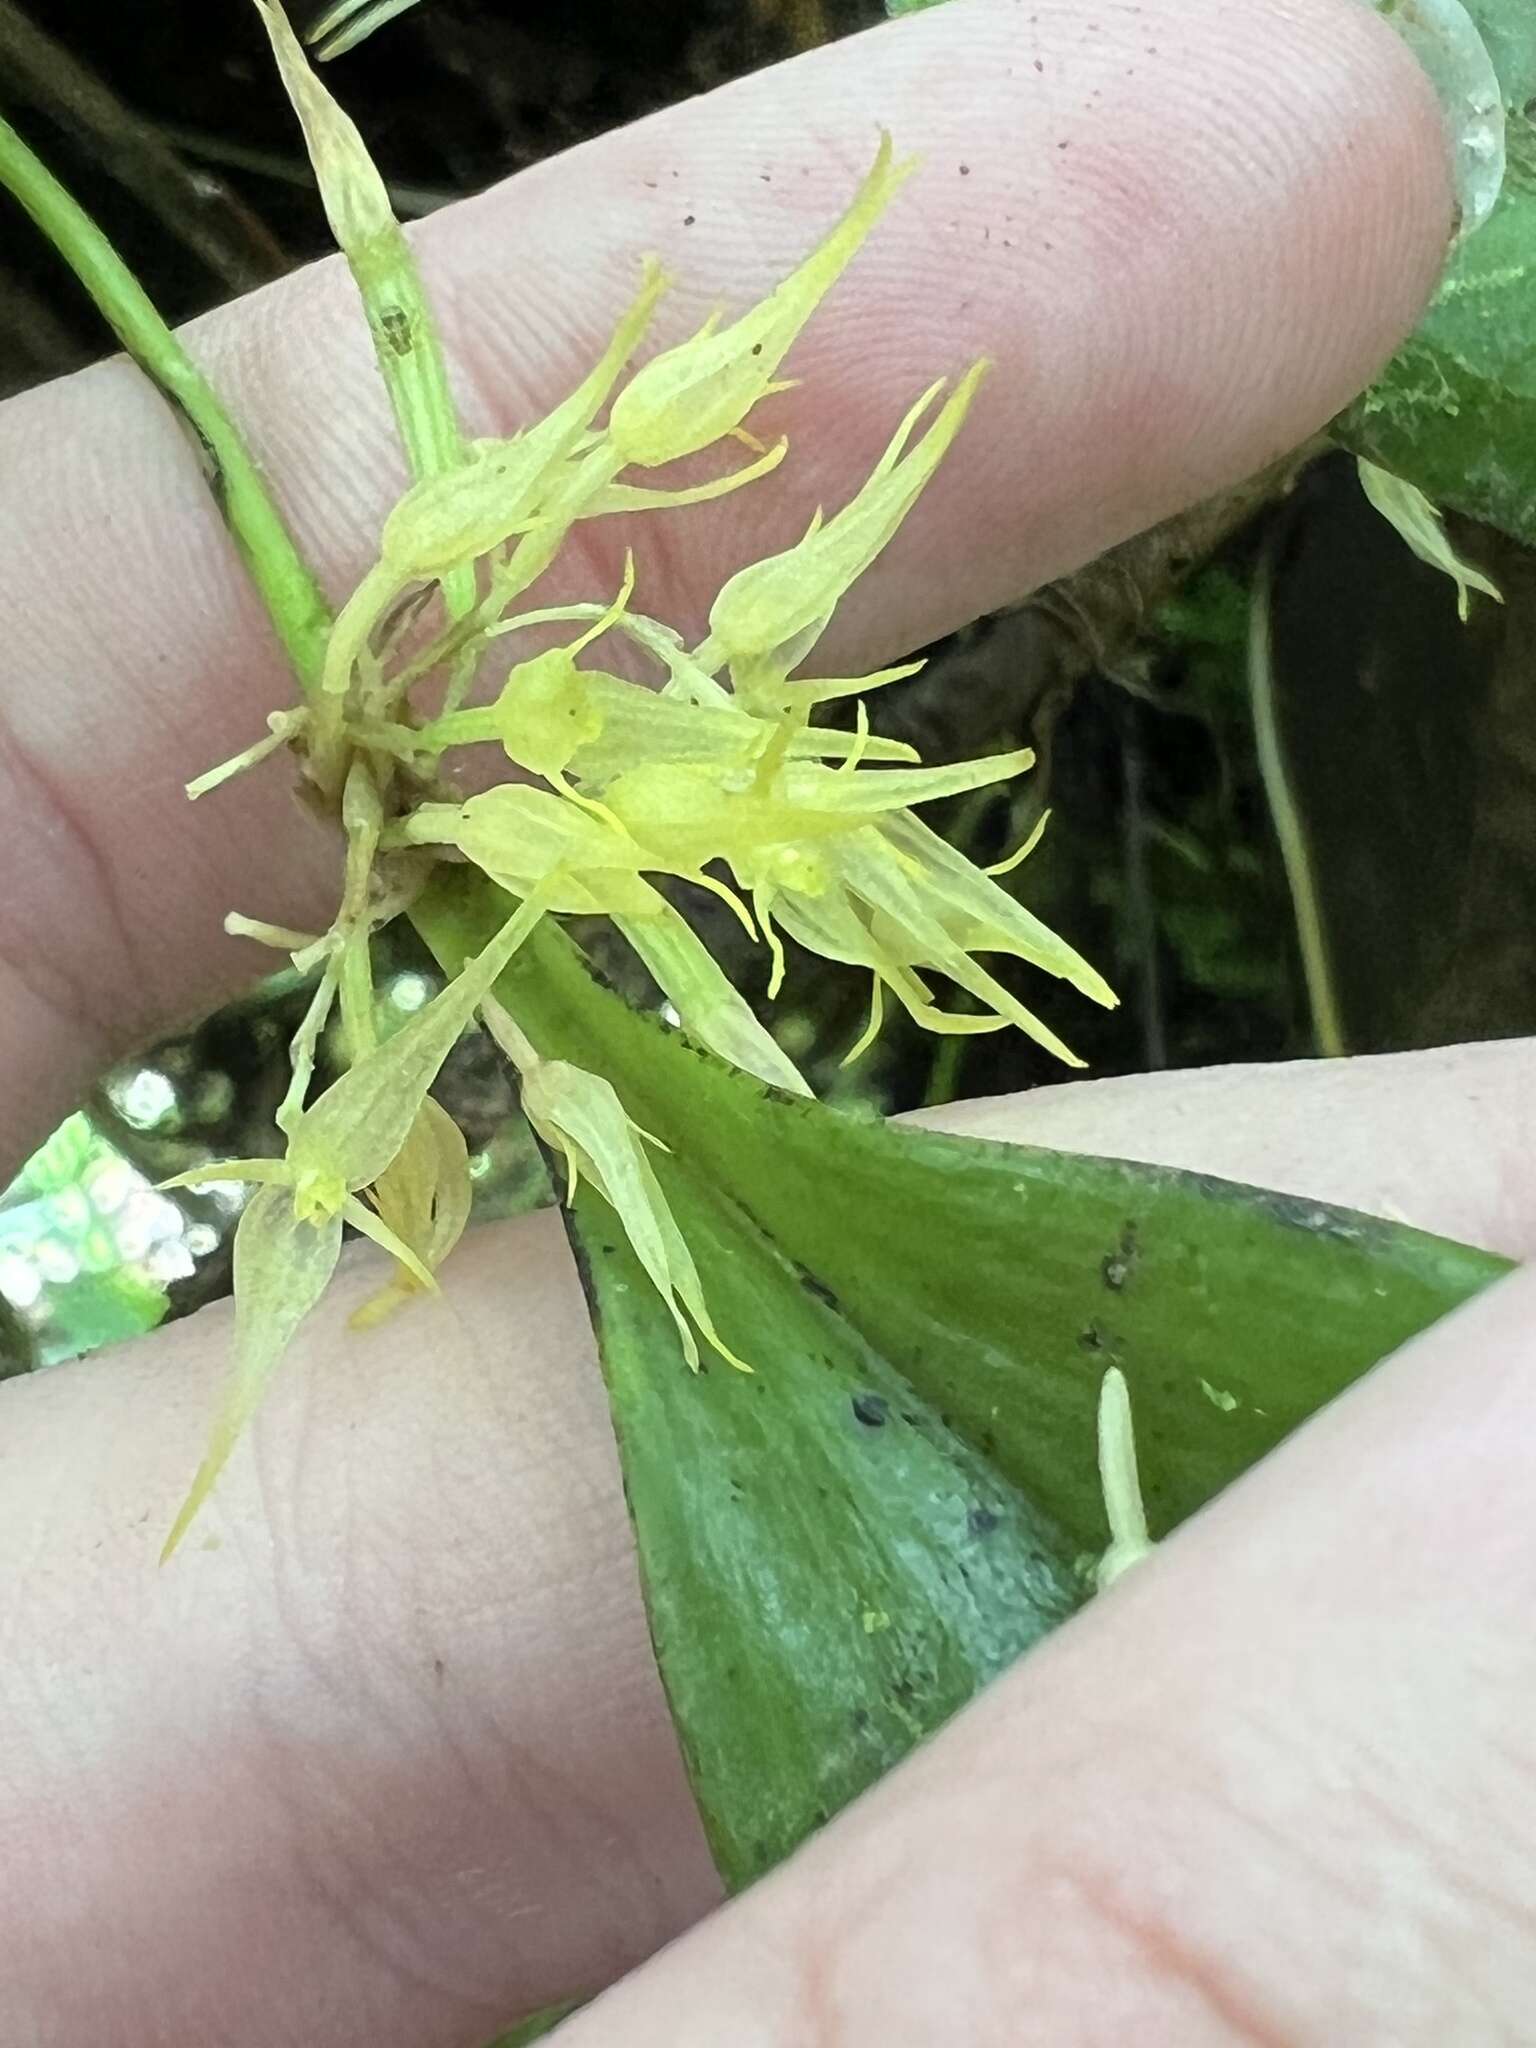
446	1545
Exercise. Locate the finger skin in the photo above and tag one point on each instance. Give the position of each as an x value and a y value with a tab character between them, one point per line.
343	1831
1184	237
1320	1128
388	1764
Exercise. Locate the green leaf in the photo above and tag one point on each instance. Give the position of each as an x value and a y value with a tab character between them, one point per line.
1508	27
825	1582
1455	410
535	2028
830	1570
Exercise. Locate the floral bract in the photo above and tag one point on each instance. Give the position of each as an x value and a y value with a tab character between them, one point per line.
708	767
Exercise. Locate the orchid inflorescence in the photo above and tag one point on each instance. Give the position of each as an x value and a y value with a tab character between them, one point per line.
711	770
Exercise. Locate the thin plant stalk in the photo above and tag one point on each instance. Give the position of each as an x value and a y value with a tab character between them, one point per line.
286	584
1322	992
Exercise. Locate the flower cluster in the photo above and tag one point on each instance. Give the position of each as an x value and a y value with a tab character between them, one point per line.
712	770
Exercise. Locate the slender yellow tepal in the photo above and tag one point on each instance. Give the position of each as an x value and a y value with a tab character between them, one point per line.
580	1116
282	1266
769	615
691	395
424	1196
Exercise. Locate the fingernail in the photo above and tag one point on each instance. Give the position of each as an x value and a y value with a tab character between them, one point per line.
1445	39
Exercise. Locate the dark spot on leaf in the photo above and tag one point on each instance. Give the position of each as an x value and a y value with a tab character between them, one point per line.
1121	1262
982	1521
873	1410
814	1284
860	1720
1090	1337
396	324
757	348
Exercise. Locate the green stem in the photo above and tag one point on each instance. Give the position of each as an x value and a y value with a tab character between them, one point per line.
1322	996
286	585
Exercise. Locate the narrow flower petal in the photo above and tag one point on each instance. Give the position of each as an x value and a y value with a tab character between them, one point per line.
449	519
265	1172
423	1197
357	1127
709	1006
769	615
894	789
370	1224
282	1266
635	498
692	395
580	1116
978	913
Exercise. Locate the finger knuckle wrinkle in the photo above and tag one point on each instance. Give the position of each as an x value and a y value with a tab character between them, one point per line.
1173	1970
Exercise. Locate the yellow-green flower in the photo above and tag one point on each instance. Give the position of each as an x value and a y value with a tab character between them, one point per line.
559	720
769	616
578	861
579	1116
692	395
836	860
288	1239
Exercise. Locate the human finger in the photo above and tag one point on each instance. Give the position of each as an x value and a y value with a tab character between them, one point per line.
397	1743
1280	1786
1185	237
